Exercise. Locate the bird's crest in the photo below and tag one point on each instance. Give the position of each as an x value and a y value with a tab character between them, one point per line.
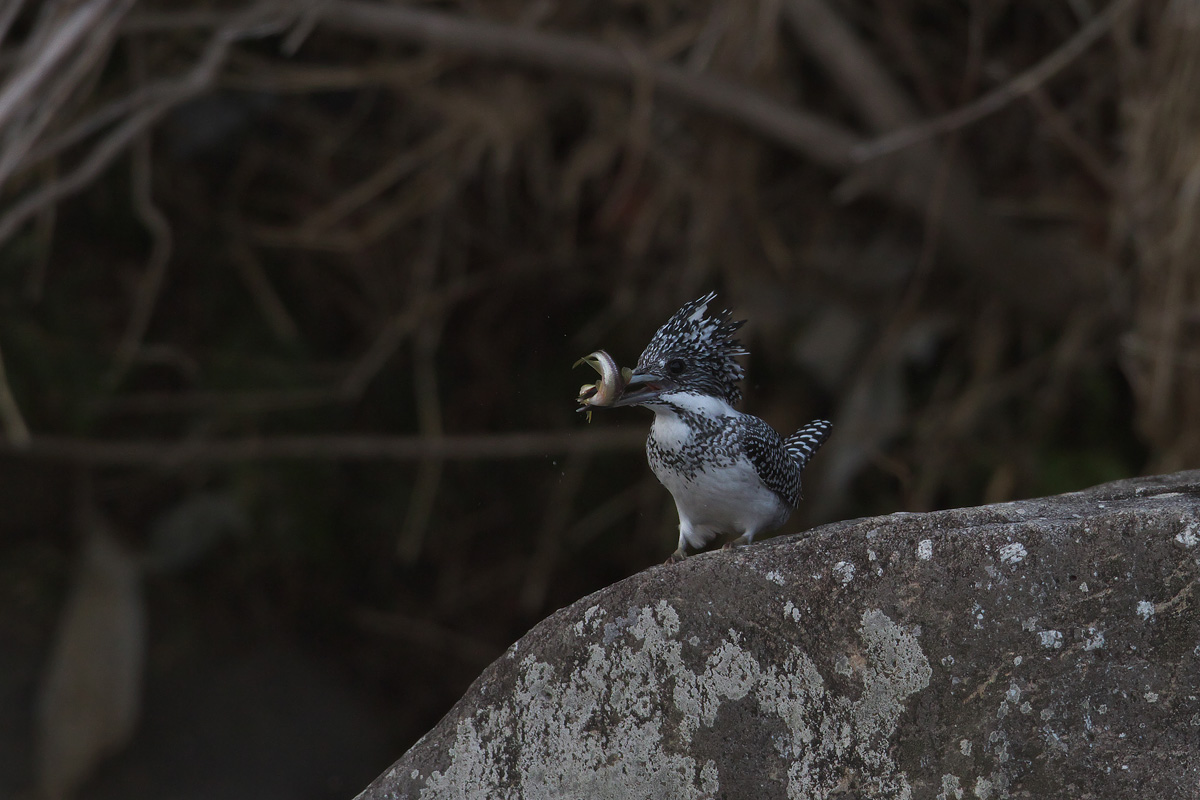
702	340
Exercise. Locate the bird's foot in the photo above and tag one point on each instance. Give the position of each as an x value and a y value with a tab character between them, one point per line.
741	541
675	557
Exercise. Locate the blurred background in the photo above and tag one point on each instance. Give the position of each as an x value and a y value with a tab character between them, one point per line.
290	294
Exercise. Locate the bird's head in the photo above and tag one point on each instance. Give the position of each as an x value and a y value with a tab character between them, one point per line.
693	354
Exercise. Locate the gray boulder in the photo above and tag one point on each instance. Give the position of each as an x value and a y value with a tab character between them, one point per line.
1041	648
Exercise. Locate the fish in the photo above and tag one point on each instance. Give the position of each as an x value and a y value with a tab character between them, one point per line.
605	392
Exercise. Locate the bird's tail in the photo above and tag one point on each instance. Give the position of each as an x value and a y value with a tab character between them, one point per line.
803	443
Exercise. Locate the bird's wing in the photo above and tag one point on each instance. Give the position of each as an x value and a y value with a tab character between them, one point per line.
775	467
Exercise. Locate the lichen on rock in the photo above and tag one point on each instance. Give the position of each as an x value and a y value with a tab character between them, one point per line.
619	724
1028	658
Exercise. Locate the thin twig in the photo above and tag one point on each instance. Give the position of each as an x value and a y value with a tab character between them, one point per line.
43	234
149	288
258	283
85	57
998	98
79	178
10	414
364	447
109	113
1084	152
367	190
62	44
411	541
864	82
262	75
383	220
423	307
302	29
429	407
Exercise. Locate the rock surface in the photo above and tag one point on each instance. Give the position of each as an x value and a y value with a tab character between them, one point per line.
1041	648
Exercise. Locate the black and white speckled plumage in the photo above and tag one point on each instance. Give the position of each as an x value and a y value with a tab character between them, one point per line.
729	472
719	443
802	444
705	342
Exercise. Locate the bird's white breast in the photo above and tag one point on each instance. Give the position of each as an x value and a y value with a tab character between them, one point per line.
671	432
725	499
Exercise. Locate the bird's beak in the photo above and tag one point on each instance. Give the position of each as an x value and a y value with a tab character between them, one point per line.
643	387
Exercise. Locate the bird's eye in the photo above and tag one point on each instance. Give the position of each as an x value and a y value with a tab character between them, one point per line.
675	366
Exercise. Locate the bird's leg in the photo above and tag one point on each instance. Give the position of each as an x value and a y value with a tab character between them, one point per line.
681	552
743	540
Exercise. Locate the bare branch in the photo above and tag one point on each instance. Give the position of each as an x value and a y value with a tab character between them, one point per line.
998	98
79	178
1012	261
428	402
76	48
423	307
150	286
365	447
224	403
261	20
925	180
64	41
818	139
1076	145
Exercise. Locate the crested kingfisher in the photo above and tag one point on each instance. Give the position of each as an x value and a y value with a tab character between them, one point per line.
729	472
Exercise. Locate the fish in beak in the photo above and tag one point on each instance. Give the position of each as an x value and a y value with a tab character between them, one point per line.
613	380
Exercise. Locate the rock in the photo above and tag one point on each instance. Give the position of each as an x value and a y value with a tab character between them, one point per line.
1041	648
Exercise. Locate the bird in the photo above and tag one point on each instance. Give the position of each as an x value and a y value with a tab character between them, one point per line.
729	472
